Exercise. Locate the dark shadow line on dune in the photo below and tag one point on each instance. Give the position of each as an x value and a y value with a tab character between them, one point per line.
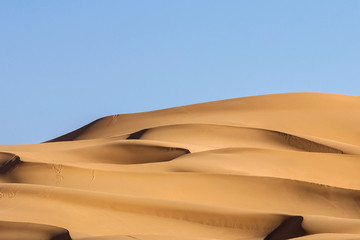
62	236
306	144
12	163
138	134
290	228
295	141
301	143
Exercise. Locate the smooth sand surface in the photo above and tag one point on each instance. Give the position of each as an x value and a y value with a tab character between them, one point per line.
282	166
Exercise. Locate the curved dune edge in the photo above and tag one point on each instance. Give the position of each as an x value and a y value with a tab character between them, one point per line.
32	231
254	137
283	166
8	162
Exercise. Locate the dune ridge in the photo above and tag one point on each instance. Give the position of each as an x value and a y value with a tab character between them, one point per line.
282	166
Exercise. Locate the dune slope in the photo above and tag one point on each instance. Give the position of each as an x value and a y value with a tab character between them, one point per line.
283	166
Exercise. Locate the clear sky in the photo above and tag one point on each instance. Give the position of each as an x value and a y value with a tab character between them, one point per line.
64	64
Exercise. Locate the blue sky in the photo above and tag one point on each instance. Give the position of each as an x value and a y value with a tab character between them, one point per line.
64	64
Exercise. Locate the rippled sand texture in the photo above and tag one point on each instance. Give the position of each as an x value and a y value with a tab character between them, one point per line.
265	167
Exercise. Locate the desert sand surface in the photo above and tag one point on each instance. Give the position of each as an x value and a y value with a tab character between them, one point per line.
281	166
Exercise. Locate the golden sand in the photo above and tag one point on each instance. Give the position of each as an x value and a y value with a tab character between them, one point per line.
266	167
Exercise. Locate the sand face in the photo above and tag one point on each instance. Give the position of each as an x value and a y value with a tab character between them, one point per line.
265	167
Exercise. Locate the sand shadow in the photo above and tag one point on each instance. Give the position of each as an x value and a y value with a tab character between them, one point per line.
290	228
7	165
137	135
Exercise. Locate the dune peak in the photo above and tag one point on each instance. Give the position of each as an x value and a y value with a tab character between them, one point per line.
273	167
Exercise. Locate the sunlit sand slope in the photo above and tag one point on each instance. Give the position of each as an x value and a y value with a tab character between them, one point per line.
282	166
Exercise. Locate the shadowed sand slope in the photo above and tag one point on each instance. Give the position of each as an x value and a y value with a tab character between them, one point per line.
31	231
274	167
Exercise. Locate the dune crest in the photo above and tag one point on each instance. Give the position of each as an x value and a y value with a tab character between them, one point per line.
273	167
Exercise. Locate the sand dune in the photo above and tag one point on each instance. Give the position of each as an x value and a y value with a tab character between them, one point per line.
283	166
